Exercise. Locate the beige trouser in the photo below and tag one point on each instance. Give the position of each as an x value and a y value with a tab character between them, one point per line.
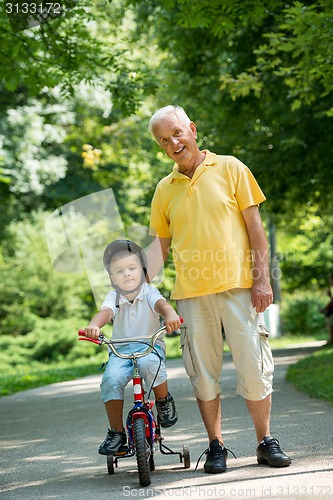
202	344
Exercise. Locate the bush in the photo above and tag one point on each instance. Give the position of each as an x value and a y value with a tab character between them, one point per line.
300	313
52	340
29	287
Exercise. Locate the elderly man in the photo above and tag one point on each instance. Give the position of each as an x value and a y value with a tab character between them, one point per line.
206	209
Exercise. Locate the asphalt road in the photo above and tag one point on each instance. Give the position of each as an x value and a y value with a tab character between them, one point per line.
49	439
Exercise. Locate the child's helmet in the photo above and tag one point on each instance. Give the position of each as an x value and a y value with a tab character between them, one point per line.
125	246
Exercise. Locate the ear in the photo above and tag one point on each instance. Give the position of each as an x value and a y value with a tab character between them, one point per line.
193	128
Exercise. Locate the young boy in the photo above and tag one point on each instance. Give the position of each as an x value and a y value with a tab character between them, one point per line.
134	306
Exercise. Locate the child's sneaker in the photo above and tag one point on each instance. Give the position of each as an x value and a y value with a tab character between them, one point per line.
113	442
166	410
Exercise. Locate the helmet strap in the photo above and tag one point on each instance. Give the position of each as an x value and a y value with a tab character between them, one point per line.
127	292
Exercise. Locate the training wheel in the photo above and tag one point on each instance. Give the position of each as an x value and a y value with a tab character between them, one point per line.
110	464
186	457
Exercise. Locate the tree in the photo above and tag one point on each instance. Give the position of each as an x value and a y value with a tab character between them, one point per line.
306	251
74	78
86	44
256	79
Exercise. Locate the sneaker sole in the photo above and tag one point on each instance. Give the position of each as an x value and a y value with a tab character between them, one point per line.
279	463
102	452
165	426
122	451
214	470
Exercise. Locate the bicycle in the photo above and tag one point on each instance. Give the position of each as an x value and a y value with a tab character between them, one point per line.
142	429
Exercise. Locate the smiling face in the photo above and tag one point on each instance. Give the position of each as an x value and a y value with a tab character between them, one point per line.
178	140
126	271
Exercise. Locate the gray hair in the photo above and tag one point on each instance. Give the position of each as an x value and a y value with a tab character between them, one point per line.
162	113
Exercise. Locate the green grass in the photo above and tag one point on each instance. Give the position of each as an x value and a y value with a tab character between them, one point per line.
314	374
29	377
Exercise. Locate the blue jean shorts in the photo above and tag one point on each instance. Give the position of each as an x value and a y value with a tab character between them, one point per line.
118	372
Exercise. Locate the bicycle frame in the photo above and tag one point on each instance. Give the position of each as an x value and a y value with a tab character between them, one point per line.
141	409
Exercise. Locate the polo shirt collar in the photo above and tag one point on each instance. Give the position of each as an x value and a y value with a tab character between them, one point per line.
143	291
209	160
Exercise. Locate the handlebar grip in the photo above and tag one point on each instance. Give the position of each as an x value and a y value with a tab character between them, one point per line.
82	336
98	342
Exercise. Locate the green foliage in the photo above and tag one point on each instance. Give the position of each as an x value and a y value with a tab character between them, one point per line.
300	313
53	342
314	374
50	353
30	288
262	85
84	45
306	250
300	47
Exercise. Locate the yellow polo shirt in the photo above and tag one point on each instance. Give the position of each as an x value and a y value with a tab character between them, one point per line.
202	216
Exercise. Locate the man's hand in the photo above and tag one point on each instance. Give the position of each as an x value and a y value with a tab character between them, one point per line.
261	295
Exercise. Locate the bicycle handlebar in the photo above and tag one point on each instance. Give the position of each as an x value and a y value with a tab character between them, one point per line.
140	340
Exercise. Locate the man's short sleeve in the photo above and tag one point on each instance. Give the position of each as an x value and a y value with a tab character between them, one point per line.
159	223
248	192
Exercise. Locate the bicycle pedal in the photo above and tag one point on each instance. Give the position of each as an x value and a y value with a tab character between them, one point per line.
123	450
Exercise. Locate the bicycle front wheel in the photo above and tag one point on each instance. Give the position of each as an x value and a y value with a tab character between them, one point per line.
143	451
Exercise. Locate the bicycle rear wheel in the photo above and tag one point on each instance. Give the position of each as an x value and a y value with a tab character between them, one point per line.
143	451
110	464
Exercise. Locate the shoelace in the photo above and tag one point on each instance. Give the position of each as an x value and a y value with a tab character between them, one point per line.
164	407
273	445
220	452
112	437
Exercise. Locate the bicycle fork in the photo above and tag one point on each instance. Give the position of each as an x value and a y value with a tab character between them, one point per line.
140	409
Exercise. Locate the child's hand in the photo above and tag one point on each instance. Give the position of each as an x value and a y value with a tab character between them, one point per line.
172	321
92	331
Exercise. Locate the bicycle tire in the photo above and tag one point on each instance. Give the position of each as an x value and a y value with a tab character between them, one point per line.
186	457
143	451
110	464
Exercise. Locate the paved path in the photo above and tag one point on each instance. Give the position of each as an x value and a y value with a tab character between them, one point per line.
49	438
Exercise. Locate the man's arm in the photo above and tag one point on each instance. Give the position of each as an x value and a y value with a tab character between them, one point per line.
157	254
262	295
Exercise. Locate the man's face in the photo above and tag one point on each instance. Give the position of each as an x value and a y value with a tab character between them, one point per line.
178	140
126	272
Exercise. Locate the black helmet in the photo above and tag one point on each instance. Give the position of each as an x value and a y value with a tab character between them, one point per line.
125	246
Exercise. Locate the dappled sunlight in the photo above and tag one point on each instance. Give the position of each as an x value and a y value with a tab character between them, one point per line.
81	386
14	444
28	485
43	458
286	360
175	372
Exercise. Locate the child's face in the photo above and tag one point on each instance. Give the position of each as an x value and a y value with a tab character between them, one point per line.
126	272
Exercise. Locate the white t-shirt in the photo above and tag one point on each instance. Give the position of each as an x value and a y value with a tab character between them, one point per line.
137	319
